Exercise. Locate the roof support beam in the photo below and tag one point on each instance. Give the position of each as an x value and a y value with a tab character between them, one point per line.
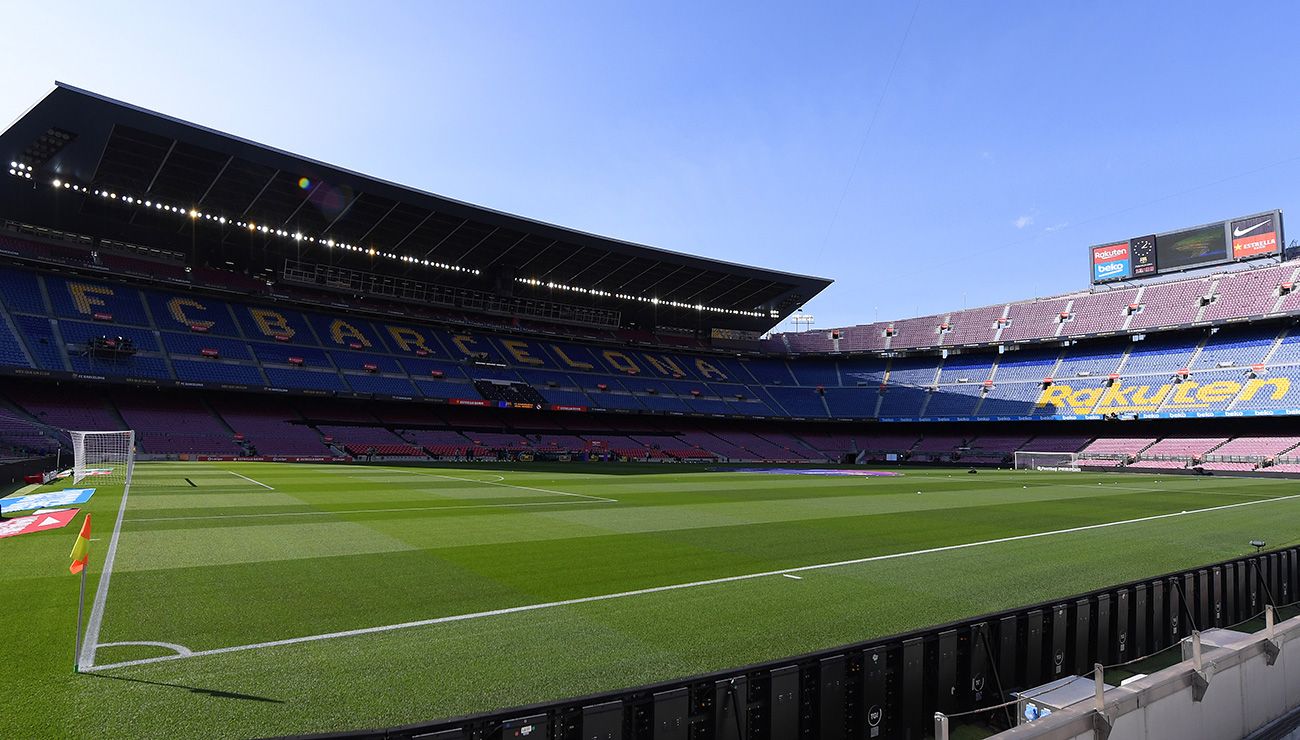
479	243
701	290
649	287
609	273
206	190
342	213
507	250
244	214
539	253
445	238
149	188
402	241
380	221
752	293
637	276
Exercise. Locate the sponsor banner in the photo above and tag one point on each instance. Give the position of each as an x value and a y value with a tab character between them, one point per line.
471	402
1111	262
1186	397
66	497
1173	414
87	471
271	458
38	522
1255	236
555	407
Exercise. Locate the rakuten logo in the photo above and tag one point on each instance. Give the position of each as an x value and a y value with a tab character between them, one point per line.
1110	253
1111	268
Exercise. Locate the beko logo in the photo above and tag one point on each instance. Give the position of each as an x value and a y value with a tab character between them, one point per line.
1111	268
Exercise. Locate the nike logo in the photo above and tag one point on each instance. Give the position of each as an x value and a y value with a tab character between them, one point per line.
1243	232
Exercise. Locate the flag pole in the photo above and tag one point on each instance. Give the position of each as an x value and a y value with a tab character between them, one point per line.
81	605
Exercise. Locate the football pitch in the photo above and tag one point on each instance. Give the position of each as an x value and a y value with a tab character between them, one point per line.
250	599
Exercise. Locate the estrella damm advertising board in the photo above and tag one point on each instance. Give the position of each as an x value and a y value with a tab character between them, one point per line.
1111	262
1254	236
1138	398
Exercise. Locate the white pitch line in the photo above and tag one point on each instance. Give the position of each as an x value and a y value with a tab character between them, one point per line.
791	575
364	511
485	482
250	480
91	641
512	485
674	587
180	650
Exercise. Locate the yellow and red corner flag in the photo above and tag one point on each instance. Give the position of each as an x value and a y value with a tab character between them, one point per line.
81	549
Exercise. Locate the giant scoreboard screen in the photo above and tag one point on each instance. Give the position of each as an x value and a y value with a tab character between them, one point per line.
1249	237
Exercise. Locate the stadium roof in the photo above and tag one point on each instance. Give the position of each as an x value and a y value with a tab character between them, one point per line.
106	145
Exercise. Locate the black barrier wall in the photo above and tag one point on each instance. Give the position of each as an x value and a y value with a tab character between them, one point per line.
891	687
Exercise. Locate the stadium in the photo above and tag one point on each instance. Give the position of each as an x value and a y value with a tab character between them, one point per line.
366	461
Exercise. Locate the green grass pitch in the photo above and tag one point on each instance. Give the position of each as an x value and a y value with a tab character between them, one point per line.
290	555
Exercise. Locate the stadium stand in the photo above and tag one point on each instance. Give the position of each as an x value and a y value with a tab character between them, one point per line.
270	351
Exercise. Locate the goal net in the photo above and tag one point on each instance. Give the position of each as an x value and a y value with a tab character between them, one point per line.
106	456
1047	461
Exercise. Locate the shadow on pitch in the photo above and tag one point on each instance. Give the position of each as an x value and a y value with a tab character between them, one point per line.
192	689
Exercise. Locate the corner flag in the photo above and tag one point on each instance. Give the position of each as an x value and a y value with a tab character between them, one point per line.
81	549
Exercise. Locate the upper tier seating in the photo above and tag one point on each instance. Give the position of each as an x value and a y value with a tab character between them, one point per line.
1238	369
1242	294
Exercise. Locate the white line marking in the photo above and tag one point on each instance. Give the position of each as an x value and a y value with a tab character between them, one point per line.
512	485
86	661
791	575
250	480
363	511
677	586
180	650
496	482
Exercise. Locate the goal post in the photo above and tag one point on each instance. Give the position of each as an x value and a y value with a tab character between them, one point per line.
108	456
1047	461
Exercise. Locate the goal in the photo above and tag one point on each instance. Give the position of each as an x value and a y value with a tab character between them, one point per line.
106	456
1047	460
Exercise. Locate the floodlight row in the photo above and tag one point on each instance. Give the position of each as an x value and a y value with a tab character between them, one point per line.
25	171
642	299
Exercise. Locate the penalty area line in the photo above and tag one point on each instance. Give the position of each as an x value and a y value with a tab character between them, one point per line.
250	480
498	482
363	511
784	572
512	485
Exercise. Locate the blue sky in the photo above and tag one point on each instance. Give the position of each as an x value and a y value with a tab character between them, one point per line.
1009	137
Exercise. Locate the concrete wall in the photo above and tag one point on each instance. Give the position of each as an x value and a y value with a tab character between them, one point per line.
1244	694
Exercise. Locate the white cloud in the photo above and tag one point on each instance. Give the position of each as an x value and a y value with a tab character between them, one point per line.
1023	221
1057	227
